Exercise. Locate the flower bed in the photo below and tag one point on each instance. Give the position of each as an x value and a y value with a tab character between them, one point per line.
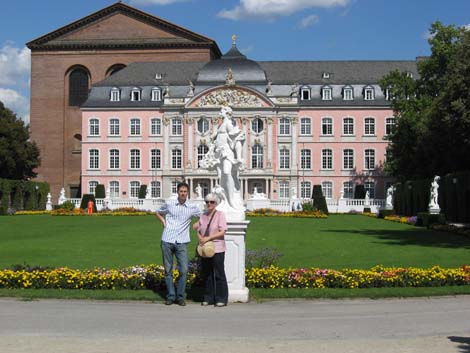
152	277
81	212
402	219
268	212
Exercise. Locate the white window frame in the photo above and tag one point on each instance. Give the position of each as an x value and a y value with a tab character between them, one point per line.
305	189
369	126
155	158
135	159
326	93
348	127
348	159
369	159
203	125
136	94
284	126
327	126
177	126
370	186
176	158
134	188
284	158
114	161
94	160
114	189
305	159
202	150
257	156
348	93
156	95
305	126
327	159
390	123
135	127
156	189
92	184
327	189
369	93
284	189
115	95
348	189
94	127
113	128
305	93
155	127
257	125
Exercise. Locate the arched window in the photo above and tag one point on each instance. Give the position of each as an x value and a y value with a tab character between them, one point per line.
115	68
78	87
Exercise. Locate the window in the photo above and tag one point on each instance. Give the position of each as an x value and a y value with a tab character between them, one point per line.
135	127
134	188
369	126
94	159
155	189
114	127
305	189
348	93
155	127
389	125
348	126
348	190
348	159
327	189
174	185
135	159
114	159
370	186
369	159
327	93
115	95
155	159
327	159
305	93
284	189
284	126
305	159
305	126
325	75
94	127
257	157
176	127
257	125
327	126
78	87
201	152
135	94
284	158
176	159
156	95
387	94
114	189
369	93
92	186
203	125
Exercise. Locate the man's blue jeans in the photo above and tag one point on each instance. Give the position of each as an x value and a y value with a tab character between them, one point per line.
181	253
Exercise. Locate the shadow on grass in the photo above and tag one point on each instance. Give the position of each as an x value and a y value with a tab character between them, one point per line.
413	236
464	343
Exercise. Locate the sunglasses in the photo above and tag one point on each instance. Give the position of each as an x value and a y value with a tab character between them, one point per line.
210	201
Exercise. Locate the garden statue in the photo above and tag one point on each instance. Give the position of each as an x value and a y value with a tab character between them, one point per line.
49	202
148	194
433	200
225	155
294	192
367	199
62	197
191	89
389	199
198	191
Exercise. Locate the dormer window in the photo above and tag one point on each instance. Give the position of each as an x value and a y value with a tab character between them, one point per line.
156	95
348	93
409	74
158	76
387	94
327	93
115	95
305	93
325	75
369	93
135	94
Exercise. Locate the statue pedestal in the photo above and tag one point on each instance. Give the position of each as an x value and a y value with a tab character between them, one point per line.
434	210
235	261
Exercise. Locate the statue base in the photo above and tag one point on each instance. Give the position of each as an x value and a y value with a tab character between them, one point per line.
434	210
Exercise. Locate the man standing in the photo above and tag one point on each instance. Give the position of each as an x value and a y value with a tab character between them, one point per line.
175	236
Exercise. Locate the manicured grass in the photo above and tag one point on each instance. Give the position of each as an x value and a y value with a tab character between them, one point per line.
337	242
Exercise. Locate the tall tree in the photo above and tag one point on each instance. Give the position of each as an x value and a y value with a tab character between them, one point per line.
18	155
431	136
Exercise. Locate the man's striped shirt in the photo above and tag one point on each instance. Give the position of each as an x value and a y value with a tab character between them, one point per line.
178	219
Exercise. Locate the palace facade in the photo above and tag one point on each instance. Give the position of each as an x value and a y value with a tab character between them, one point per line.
148	117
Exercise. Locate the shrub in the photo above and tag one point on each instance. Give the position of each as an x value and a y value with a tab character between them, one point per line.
359	192
100	192
3	211
142	191
319	200
384	213
85	199
67	205
426	219
262	258
367	210
308	207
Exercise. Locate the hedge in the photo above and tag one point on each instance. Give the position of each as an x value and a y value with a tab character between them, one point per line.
22	195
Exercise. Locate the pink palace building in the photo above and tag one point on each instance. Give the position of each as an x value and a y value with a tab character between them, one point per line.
306	123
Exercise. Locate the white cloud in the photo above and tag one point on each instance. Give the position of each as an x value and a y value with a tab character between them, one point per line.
15	102
308	21
153	2
269	9
15	65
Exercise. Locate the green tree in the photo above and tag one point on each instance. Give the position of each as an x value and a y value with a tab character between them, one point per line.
18	155
432	132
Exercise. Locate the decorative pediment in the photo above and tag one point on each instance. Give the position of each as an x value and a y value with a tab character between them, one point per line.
233	97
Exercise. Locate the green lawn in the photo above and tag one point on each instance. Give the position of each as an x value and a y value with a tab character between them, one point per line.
337	242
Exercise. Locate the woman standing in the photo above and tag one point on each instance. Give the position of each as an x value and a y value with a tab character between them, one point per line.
211	227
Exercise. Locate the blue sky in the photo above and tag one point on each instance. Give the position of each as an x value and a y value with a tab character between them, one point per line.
266	29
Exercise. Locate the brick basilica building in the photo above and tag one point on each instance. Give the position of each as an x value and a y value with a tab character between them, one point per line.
123	98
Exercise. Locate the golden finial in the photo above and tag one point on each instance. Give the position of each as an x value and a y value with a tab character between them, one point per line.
234	39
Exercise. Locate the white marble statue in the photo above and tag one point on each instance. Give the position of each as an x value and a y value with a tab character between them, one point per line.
433	201
49	202
225	155
62	197
191	88
367	199
198	191
148	194
389	198
294	192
